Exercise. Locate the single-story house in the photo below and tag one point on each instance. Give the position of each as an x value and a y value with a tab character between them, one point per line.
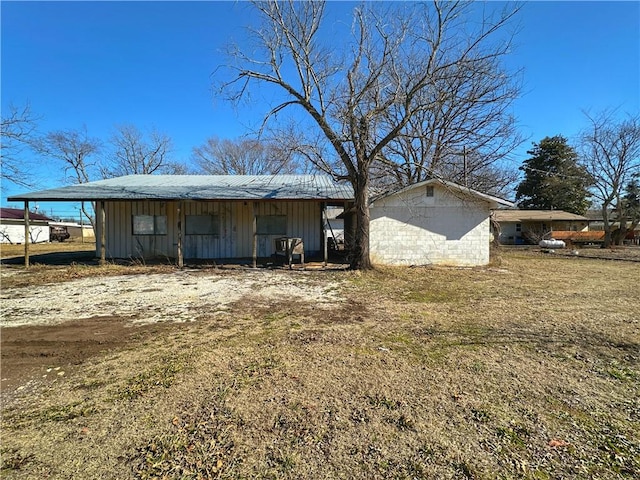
12	226
432	222
596	223
186	217
520	227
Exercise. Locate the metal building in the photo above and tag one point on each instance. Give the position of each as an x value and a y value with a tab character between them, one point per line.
185	217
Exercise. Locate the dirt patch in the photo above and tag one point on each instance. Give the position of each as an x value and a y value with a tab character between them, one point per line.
178	296
48	352
46	328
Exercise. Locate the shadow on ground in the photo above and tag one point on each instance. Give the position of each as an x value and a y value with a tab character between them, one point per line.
57	258
335	262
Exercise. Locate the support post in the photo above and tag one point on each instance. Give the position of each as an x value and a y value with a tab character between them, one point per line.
81	222
103	234
255	235
26	234
325	221
180	255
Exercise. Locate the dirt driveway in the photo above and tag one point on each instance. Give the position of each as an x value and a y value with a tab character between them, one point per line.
48	328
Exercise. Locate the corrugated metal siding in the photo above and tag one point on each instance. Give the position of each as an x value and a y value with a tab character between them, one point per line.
235	238
210	246
120	241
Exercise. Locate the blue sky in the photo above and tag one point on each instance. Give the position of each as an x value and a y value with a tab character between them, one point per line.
99	64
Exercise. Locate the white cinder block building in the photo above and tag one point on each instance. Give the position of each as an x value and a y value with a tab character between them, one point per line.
432	223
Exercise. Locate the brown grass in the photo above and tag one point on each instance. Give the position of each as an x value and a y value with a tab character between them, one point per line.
8	250
526	370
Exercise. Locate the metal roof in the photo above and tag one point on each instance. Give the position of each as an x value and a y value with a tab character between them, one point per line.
18	214
520	216
199	187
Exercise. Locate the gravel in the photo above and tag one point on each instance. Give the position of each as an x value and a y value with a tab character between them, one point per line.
147	298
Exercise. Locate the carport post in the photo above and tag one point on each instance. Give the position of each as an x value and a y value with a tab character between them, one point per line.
255	235
26	234
103	234
180	254
325	221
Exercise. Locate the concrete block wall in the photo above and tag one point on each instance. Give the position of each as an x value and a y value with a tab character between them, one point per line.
450	231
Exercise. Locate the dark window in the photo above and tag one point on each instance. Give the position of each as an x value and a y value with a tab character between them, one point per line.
429	191
202	225
149	224
272	225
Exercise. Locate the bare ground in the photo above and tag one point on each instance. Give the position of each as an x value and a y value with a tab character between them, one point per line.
526	369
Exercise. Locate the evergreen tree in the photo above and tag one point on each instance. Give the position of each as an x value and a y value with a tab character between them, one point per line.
553	179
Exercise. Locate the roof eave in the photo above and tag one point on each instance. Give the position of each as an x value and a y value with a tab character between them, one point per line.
494	202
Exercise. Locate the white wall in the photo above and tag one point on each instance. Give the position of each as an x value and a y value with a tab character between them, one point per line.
410	228
13	232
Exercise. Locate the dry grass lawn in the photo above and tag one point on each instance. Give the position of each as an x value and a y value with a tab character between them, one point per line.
8	250
527	369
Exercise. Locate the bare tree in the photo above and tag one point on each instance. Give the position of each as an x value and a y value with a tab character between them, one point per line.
610	150
136	153
242	157
17	132
363	96
76	151
466	129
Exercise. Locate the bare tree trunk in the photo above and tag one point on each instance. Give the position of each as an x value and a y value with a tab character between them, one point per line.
360	259
606	225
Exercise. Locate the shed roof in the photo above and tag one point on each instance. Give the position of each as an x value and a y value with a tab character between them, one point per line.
18	214
520	216
200	187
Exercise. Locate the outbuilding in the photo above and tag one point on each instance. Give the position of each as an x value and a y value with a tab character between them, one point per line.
12	226
433	222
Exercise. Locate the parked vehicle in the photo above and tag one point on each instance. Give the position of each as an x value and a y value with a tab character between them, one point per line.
59	234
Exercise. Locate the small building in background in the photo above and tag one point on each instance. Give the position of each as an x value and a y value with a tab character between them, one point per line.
12	226
76	231
528	227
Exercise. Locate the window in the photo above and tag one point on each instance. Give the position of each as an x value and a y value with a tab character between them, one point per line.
518	227
202	225
149	224
272	225
429	191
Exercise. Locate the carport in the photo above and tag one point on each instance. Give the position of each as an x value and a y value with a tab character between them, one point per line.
203	216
